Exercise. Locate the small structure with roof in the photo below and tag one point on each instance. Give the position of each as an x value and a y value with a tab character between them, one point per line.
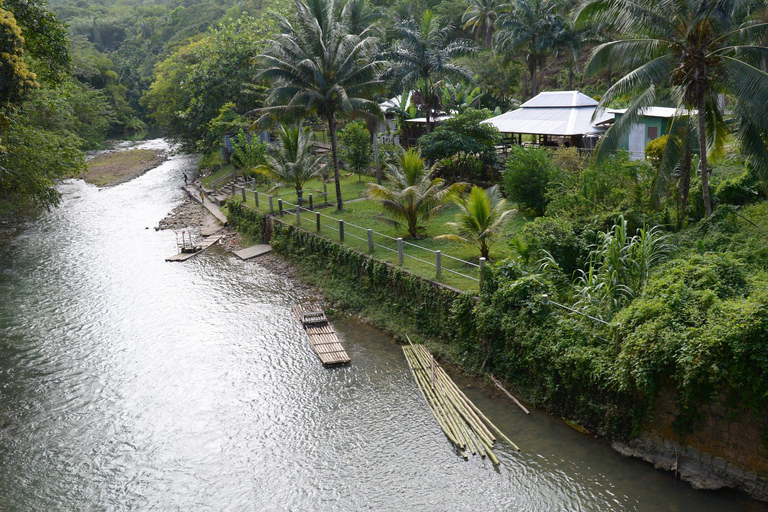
556	118
652	123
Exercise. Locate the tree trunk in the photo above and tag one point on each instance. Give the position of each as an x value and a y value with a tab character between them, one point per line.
703	155
685	185
570	76
299	193
375	133
335	155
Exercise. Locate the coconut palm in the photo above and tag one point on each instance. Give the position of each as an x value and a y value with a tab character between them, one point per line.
481	220
701	48
481	15
318	65
294	162
530	26
416	195
422	55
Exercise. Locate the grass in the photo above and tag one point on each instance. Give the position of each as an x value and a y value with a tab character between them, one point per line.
360	214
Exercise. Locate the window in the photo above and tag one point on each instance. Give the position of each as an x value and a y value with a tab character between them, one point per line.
653	132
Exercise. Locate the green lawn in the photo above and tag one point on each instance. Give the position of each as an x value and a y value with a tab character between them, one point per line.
362	214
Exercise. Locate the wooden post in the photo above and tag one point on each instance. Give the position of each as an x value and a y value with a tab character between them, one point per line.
298	215
482	271
233	183
400	250
438	264
271	207
255	193
280	207
325	192
243	193
370	240
341	231
318	221
310	202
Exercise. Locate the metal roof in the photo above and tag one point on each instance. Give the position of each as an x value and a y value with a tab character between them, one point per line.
663	112
395	103
562	113
423	120
555	99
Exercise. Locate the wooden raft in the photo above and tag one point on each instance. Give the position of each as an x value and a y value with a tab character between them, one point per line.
321	335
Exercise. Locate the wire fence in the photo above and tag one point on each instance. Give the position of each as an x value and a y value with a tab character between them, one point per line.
306	214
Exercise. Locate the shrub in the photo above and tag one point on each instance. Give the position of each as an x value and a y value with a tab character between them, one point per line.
463	140
527	173
356	147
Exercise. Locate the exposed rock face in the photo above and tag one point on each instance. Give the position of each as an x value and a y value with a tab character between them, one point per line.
725	451
701	469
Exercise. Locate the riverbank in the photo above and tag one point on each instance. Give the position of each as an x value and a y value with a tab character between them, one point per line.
469	332
115	167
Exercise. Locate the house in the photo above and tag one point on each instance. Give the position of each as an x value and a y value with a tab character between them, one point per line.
556	118
652	123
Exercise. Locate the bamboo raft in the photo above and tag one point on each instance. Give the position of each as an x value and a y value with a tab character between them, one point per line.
463	423
321	335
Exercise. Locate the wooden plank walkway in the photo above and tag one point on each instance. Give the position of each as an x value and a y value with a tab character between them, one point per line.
204	244
322	337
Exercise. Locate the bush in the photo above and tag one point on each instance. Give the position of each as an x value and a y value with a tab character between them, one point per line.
568	241
463	141
527	173
740	190
356	147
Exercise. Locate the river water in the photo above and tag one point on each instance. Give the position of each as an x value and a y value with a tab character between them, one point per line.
129	383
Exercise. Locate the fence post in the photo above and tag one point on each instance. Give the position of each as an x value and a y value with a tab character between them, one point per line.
298	215
400	250
243	193
318	221
255	194
341	230
310	202
438	264
325	191
233	184
482	271
370	240
280	207
271	207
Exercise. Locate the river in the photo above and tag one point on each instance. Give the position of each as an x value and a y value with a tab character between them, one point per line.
129	383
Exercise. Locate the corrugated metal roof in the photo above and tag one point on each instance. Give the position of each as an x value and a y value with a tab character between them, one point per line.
562	113
556	99
663	112
547	121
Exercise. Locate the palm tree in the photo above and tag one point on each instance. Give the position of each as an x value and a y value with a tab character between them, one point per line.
317	65
481	15
529	26
702	49
416	196
481	220
422	54
293	163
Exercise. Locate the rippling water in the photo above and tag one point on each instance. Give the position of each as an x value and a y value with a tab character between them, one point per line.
129	383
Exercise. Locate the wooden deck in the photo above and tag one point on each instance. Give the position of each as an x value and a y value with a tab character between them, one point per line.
322	337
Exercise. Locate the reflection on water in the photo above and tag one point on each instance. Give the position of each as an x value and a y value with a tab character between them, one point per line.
129	383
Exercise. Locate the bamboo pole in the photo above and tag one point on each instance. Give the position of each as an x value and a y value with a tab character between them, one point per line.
498	385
